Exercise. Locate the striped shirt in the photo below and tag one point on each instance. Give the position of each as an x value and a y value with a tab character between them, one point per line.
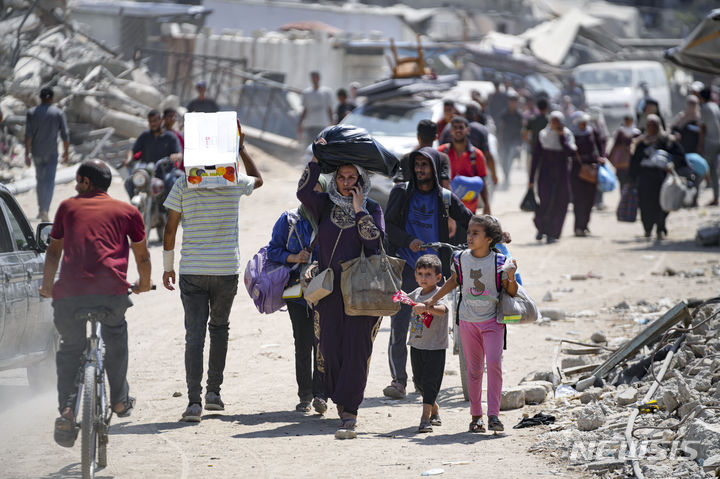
210	226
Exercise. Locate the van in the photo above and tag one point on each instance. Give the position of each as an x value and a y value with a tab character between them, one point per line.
615	87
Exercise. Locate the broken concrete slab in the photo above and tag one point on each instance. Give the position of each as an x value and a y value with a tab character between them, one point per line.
513	398
590	418
534	393
704	438
627	397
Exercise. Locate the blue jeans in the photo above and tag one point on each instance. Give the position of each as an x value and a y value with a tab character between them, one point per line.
45	167
203	297
73	338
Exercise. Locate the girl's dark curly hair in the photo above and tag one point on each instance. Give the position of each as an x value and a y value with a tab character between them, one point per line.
492	229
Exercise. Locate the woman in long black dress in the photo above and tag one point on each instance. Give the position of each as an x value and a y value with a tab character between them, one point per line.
348	221
655	154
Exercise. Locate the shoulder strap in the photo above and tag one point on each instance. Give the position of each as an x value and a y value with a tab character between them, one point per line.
458	267
499	263
446	196
473	159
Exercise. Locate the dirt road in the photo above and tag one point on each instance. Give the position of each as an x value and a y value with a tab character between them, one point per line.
260	435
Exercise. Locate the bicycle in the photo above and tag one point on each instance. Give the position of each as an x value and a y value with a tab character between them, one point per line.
96	413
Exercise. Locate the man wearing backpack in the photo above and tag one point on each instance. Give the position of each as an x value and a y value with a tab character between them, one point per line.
209	268
417	212
466	160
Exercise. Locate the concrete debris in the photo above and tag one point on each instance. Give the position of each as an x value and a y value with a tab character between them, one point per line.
589	431
590	395
705	438
712	463
535	393
598	337
548	297
538	376
553	314
627	397
590	418
95	88
513	398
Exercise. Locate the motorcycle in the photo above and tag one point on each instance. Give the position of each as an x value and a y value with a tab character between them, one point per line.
149	193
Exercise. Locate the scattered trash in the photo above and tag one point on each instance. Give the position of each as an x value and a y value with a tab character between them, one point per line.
565	390
272	345
433	472
455	463
538	419
548	297
177	394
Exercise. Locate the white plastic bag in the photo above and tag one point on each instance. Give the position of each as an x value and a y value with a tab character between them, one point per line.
672	192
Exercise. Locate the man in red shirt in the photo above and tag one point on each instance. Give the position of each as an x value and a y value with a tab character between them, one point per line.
466	160
90	233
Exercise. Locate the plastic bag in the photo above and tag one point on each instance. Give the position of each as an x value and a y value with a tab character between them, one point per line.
529	203
698	164
607	181
672	192
339	145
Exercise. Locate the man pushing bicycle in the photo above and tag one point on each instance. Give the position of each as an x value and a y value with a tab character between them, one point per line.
90	233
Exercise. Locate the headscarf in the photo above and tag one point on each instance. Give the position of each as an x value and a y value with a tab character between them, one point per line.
597	118
690	114
323	182
346	202
651	139
550	140
577	118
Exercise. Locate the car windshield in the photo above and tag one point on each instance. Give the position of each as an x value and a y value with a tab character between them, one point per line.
604	79
389	120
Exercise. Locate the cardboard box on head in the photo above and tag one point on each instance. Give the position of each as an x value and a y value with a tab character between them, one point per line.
211	149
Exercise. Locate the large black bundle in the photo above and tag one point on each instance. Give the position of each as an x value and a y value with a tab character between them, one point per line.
342	144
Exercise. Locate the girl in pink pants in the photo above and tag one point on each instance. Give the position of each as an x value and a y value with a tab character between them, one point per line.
480	274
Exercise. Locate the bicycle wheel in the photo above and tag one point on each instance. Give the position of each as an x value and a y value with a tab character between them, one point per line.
89	416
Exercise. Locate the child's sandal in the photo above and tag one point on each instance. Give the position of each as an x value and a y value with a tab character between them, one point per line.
477	426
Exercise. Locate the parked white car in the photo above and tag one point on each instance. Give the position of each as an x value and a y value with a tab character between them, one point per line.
615	86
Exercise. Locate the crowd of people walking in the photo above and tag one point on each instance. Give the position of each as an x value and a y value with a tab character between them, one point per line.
441	186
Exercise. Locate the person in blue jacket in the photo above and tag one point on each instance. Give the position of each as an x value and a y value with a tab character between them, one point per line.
292	244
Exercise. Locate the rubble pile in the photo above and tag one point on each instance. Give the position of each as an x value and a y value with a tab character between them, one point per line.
105	98
606	423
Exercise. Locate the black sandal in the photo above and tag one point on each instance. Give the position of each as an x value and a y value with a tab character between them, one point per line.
128	406
477	426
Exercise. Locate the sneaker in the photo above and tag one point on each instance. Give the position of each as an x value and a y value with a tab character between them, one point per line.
320	405
213	402
395	391
494	424
193	413
425	426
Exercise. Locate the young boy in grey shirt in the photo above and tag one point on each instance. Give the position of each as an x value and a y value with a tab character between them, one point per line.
428	339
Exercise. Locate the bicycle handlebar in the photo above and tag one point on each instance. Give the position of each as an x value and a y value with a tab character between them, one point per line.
440	245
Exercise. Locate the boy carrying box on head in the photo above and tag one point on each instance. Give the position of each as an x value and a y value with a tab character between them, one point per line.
428	339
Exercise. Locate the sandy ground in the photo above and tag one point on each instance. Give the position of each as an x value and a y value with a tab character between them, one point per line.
260	435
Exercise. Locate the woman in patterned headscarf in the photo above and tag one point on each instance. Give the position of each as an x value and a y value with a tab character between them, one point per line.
348	221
